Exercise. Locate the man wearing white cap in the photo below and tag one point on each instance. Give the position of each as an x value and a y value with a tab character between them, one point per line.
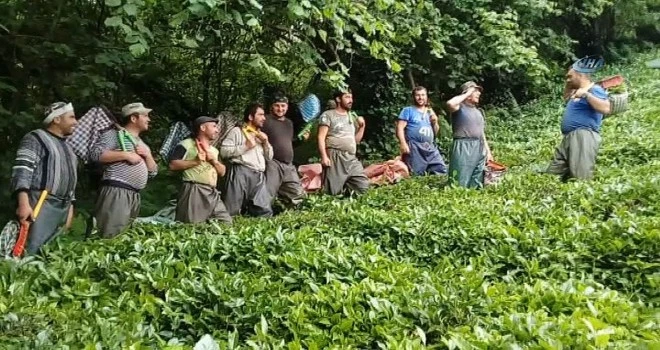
128	164
44	162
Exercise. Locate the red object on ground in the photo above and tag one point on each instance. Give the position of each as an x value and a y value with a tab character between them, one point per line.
386	173
389	172
312	176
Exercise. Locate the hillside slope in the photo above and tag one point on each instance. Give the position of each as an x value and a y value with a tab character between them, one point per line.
530	263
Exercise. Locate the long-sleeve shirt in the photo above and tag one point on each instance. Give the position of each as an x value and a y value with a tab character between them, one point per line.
234	148
121	174
45	162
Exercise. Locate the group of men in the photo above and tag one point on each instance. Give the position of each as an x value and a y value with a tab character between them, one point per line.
258	157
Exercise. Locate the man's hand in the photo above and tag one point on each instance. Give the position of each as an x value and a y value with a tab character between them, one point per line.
24	212
325	161
306	135
132	158
143	152
250	143
404	149
211	158
261	136
434	119
361	122
581	92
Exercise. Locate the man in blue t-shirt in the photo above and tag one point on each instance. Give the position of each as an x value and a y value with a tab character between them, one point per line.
416	130
575	157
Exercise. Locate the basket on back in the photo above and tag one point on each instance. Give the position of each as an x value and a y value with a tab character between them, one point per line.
618	93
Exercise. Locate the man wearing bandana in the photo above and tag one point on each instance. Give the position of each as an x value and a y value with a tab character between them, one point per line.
338	137
575	157
127	165
199	200
416	130
247	148
45	162
281	175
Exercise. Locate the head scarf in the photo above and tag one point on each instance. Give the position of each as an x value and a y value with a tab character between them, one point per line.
57	109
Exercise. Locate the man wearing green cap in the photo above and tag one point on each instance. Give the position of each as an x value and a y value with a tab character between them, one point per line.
469	149
575	157
199	200
127	165
45	162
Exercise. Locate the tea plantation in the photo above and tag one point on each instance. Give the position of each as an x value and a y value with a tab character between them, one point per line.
528	263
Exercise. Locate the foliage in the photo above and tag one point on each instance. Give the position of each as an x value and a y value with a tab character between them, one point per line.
194	57
529	263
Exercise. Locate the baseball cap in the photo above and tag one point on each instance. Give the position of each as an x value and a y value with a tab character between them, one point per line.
134	108
588	64
280	98
197	123
470	84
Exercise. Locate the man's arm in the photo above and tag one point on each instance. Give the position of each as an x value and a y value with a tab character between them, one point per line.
234	145
145	152
599	104
401	131
220	168
489	156
265	144
434	122
454	103
104	151
27	159
360	132
323	133
177	163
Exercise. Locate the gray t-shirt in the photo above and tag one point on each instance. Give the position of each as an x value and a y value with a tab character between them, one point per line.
468	122
341	131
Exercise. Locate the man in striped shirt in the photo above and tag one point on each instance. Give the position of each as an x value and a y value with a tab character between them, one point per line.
44	162
128	164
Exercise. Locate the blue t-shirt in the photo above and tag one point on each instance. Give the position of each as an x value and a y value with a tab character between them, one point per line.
580	115
419	127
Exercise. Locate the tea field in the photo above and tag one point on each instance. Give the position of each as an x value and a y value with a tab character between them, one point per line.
530	263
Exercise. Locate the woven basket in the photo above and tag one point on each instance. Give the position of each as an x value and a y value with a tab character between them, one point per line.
618	103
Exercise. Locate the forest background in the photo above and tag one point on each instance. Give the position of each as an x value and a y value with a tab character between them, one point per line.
199	57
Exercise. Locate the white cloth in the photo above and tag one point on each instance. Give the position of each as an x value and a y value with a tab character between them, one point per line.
58	112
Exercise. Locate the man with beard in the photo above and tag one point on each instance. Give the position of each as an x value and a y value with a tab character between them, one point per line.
44	162
337	141
247	149
127	163
281	175
199	200
469	149
575	157
416	130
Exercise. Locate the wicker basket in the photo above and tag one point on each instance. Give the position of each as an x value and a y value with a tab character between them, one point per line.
618	103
